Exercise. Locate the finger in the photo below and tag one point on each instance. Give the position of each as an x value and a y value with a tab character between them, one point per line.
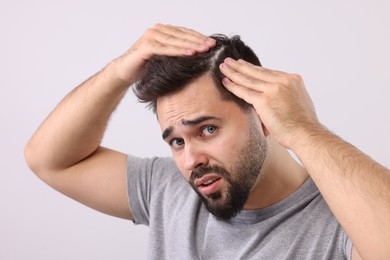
184	30
156	47
248	69
249	95
241	78
209	41
182	37
161	43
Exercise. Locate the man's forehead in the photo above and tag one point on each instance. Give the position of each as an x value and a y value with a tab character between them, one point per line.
198	98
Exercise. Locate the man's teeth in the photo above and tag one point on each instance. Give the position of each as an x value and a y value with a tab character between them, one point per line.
208	182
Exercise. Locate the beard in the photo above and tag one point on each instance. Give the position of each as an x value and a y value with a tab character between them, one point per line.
240	178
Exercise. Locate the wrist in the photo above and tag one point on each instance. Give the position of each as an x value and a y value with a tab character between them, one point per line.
309	137
127	67
114	72
117	72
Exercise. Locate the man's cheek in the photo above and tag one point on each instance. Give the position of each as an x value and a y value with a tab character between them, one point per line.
186	173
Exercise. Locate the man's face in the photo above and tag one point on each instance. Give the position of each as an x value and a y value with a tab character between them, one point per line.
217	146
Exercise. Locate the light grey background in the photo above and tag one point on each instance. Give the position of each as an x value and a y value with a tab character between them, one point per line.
341	48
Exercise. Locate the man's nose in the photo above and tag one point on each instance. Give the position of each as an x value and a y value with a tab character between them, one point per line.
194	157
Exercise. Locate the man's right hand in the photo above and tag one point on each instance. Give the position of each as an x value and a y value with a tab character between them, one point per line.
65	151
165	40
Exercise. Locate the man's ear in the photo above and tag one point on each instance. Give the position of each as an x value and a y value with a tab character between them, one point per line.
265	130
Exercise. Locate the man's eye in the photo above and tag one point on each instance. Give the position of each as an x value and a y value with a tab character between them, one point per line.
209	130
177	142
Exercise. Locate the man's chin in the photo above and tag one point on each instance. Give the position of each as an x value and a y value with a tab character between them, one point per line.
223	214
220	204
215	196
220	208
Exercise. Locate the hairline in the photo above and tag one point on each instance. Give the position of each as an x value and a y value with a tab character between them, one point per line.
208	73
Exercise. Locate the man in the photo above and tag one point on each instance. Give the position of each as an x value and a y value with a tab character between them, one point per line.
229	125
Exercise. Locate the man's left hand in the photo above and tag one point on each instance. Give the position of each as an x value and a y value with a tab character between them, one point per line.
279	98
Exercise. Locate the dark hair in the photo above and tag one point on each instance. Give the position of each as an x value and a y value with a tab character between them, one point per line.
164	75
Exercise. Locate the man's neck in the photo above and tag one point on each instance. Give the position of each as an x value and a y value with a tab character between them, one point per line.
280	176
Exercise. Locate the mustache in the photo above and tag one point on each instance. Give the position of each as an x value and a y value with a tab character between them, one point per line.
202	170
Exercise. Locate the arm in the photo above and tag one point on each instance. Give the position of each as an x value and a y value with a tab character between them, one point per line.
356	188
65	151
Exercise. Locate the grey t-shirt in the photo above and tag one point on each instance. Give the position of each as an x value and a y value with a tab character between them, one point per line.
299	227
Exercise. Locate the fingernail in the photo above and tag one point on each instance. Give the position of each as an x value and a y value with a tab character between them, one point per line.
225	80
210	41
229	60
224	65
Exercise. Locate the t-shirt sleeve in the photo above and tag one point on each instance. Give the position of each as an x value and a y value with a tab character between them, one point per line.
347	246
139	173
145	179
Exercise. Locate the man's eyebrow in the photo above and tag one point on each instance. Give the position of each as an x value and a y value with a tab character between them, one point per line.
168	131
197	120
